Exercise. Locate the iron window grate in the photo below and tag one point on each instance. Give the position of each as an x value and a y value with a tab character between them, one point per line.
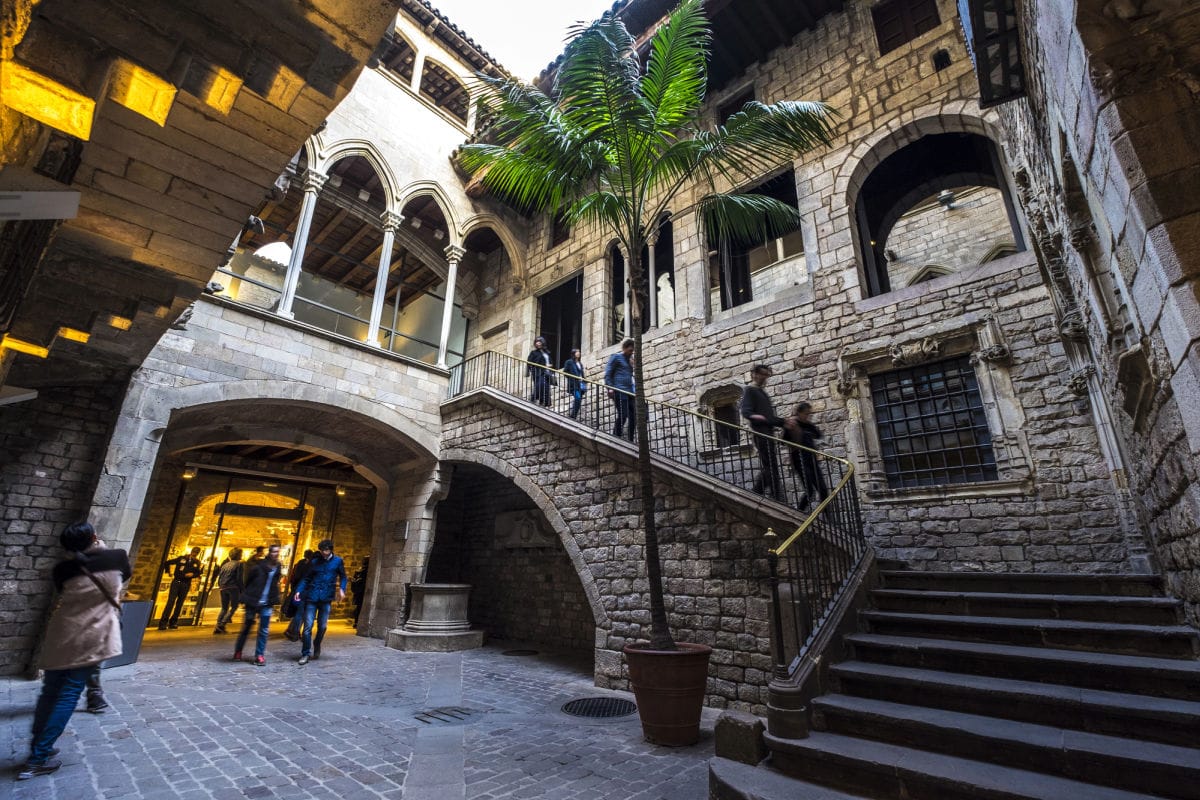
932	426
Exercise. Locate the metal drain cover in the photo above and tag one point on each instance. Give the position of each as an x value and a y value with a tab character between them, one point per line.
519	653
447	715
599	707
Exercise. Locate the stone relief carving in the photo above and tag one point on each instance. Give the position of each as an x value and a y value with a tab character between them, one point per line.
521	529
1072	326
1078	383
911	354
847	385
993	354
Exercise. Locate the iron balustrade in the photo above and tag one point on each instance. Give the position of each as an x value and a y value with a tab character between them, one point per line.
808	571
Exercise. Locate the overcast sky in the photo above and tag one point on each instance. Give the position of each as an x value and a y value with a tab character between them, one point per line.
523	35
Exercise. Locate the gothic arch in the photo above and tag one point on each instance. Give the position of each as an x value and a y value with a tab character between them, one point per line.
433	189
546	505
512	248
347	148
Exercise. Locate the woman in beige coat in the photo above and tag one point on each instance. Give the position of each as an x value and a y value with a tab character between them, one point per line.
84	629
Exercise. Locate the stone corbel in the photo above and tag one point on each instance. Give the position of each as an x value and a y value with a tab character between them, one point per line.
1078	382
848	380
1072	326
993	349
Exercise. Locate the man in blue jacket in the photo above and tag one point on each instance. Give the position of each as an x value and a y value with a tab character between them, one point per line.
618	377
326	574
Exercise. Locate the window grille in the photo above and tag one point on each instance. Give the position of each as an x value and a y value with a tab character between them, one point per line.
932	427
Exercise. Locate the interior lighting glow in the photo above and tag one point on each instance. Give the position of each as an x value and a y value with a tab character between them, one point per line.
10	342
141	91
74	334
46	100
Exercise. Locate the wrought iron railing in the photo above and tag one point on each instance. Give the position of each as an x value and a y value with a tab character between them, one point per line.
808	571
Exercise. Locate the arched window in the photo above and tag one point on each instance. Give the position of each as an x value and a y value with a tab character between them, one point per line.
445	91
397	56
941	200
721	403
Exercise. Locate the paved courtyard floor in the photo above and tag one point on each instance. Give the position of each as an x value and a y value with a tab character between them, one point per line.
187	722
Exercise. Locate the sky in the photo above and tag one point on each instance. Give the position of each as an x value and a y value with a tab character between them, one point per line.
523	35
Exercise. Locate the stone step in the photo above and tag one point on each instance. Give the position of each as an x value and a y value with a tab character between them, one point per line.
1160	677
732	780
1116	761
1085	608
1034	583
884	770
1172	641
1139	716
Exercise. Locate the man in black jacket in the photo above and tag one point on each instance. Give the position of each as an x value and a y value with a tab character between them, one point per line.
259	599
186	569
758	410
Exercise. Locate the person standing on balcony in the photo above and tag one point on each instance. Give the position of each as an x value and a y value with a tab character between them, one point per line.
799	430
539	372
574	369
758	410
618	377
185	569
325	576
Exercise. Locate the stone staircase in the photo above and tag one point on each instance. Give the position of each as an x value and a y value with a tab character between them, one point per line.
998	687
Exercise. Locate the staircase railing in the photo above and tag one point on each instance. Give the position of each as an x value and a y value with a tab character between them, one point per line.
808	571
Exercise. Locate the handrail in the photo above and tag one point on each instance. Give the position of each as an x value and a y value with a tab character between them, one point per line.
808	570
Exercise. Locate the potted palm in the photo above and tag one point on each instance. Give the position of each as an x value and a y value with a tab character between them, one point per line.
612	144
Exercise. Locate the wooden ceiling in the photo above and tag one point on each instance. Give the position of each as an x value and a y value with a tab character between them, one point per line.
280	456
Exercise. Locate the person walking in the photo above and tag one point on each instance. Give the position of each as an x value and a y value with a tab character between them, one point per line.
326	575
618	377
185	569
84	630
96	703
259	598
577	388
229	584
538	370
292	634
358	587
800	430
758	410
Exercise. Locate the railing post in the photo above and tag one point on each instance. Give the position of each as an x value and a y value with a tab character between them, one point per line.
781	663
487	368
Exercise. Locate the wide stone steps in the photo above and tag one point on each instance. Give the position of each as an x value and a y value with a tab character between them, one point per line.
732	780
1177	641
1154	767
1027	583
884	770
1083	608
1165	677
1139	716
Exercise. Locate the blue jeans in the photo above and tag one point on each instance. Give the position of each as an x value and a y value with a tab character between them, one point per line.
263	615
60	692
321	612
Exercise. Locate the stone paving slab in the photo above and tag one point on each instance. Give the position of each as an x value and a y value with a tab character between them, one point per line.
189	723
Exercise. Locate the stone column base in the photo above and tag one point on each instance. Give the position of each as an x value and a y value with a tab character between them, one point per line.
426	642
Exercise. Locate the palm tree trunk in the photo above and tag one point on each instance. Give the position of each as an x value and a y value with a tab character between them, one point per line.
660	632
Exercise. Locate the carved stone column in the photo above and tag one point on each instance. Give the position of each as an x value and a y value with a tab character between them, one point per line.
313	183
454	254
390	223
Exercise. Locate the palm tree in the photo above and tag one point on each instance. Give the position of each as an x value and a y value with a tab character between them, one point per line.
613	146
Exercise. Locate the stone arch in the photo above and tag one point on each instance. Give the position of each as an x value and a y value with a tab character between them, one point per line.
432	189
512	248
347	148
549	509
893	136
928	273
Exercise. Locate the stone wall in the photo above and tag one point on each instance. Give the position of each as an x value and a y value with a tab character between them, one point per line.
713	551
951	238
50	452
1107	147
527	592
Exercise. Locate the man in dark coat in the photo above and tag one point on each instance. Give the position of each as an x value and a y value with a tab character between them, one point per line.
292	634
259	599
539	372
758	410
186	568
618	377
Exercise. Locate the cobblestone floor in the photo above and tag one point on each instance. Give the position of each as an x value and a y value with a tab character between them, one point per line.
188	723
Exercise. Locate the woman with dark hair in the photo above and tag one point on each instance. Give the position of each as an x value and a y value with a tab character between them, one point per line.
799	430
538	370
574	369
83	631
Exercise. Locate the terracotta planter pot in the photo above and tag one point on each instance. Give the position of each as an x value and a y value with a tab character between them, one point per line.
669	686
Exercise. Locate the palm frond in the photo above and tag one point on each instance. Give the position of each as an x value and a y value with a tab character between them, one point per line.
760	137
746	217
677	69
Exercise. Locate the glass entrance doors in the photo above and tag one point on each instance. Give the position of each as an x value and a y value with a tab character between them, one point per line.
219	513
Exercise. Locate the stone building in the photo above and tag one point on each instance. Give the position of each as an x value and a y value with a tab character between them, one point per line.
1023	268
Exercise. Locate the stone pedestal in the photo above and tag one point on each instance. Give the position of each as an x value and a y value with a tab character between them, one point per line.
437	620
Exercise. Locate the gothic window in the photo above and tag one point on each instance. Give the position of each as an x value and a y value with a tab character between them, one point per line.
932	426
900	21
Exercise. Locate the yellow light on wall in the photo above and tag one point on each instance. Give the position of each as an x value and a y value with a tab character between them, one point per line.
120	323
74	334
221	90
10	342
141	91
46	100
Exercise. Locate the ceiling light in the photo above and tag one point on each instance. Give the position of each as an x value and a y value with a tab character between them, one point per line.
190	473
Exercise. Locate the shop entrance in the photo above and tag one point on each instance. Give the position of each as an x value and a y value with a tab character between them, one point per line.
220	512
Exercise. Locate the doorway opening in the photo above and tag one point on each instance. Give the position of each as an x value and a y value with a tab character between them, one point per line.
561	313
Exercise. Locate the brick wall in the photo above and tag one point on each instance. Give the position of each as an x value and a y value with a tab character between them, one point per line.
51	449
